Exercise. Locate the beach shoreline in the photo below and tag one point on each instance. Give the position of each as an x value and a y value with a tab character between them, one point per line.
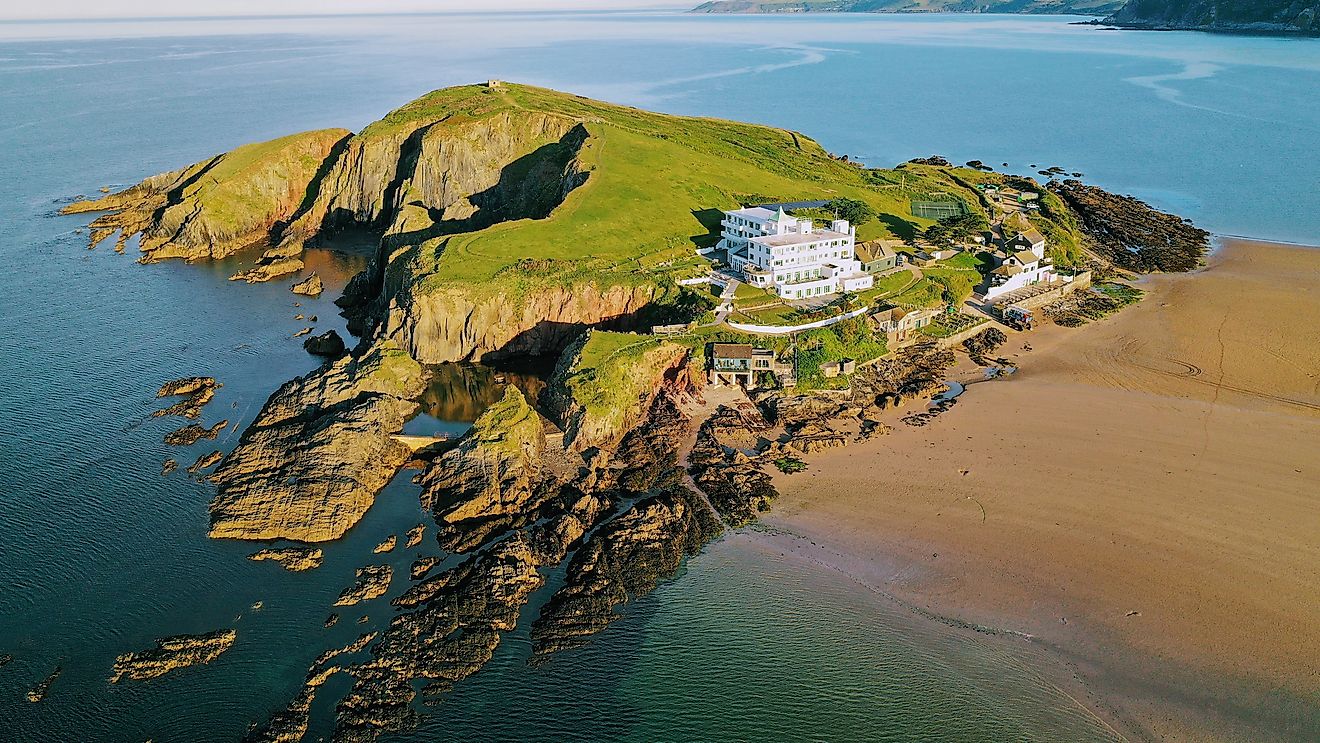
1133	502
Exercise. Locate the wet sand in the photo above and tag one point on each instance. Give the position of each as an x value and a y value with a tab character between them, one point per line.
1142	499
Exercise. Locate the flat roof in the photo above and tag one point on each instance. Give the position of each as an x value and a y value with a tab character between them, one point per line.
798	238
755	212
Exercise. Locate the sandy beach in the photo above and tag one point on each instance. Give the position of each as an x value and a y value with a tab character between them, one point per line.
1142	499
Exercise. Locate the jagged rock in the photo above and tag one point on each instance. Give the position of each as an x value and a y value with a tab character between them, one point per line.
626	558
289	725
38	693
308	287
192	433
302	332
421	566
168	466
1130	233
372	583
326	344
220	206
737	491
179	651
293	559
604	384
490	475
186	386
5	659
205	461
984	343
387	545
196	391
269	266
331	620
415	536
314	458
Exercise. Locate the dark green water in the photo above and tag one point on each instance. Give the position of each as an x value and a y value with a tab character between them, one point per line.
99	555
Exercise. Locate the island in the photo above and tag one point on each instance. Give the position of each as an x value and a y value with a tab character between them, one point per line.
721	302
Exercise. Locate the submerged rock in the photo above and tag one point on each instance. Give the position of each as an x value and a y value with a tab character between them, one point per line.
372	583
38	693
5	659
293	559
179	651
314	458
309	287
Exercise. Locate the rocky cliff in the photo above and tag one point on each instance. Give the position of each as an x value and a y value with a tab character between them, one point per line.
220	206
605	383
312	462
1251	16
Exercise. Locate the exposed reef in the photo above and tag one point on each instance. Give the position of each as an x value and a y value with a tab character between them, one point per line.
625	559
38	692
196	392
1130	234
192	433
179	651
293	559
372	583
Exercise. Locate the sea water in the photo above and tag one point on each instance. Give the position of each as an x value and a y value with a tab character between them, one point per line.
99	555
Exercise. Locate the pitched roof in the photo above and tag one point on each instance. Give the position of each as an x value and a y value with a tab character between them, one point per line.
1007	270
874	250
1026	256
733	350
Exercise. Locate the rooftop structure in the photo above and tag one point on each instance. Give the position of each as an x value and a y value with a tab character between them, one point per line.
775	250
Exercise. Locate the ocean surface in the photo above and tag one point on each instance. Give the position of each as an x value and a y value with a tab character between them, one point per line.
100	555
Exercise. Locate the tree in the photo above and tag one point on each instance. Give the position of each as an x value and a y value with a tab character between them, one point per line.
856	211
951	230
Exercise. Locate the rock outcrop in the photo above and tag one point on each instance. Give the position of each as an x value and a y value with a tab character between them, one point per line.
220	206
192	433
372	583
293	559
179	651
605	383
327	344
491	475
314	458
1132	235
195	391
309	287
624	560
39	691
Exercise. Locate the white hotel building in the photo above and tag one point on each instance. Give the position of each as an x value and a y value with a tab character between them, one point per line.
776	251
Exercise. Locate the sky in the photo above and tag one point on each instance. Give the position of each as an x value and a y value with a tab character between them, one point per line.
86	9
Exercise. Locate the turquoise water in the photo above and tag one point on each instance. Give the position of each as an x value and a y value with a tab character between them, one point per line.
99	555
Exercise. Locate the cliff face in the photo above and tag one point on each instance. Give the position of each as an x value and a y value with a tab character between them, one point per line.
457	324
1261	16
456	175
313	461
606	382
220	206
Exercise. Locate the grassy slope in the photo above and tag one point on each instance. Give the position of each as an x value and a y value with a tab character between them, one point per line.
655	189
